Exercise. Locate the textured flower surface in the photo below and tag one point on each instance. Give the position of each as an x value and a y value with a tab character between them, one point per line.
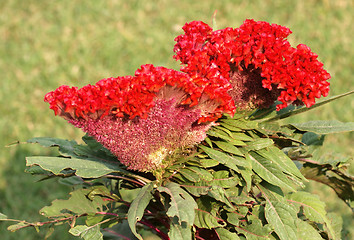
257	60
142	118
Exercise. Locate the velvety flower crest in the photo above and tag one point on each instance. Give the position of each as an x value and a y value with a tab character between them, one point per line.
257	60
143	118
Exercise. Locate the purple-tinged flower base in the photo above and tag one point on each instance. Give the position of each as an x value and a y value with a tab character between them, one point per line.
144	144
247	91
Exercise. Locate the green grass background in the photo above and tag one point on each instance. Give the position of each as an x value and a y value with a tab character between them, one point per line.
45	44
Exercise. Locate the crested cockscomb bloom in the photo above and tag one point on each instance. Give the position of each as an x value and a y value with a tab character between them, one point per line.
257	60
144	118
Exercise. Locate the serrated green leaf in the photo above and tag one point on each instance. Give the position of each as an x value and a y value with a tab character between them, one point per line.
77	204
179	231
306	232
182	205
228	147
282	217
85	168
313	208
66	147
138	206
269	171
225	234
87	233
324	126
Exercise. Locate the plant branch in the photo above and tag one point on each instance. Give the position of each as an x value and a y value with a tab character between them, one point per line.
163	235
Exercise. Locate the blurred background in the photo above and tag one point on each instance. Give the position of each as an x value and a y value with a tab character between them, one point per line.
45	44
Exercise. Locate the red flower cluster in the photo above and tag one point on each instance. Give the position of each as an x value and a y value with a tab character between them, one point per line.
133	96
294	75
143	118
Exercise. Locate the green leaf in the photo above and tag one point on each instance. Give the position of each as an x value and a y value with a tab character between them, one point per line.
182	205
330	174
226	159
208	163
241	136
228	147
324	127
138	206
219	193
274	154
85	168
179	231
195	174
17	226
282	217
337	223
225	234
310	138
254	229
197	189
299	110
87	233
306	232
269	171
313	208
77	204
206	214
3	216
241	123
259	143
222	179
271	192
214	132
66	147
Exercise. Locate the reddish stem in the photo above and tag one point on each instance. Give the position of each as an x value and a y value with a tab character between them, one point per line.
163	235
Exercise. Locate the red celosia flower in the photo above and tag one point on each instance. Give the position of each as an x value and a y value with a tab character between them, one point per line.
257	60
143	118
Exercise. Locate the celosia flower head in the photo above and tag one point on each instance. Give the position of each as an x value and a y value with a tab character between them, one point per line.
143	118
257	60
